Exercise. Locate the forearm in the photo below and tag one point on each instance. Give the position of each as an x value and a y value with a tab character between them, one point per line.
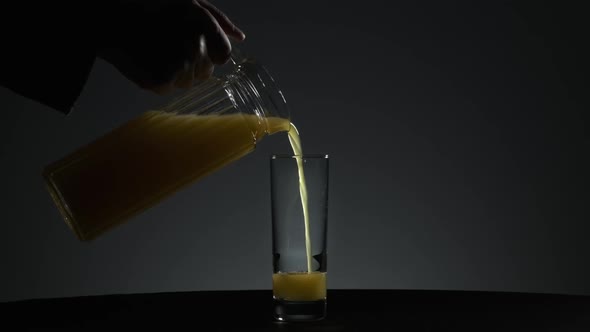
47	52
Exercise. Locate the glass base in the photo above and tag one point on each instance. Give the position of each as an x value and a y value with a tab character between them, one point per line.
299	311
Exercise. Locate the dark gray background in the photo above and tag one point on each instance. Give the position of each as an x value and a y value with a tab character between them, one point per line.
459	158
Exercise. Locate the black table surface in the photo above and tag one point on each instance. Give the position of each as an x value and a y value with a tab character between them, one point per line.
347	310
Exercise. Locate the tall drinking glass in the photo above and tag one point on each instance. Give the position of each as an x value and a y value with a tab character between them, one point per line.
299	202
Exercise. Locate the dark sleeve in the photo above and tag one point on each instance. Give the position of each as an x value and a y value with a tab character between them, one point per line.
47	51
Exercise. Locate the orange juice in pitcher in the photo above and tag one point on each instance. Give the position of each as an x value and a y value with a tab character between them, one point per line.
141	162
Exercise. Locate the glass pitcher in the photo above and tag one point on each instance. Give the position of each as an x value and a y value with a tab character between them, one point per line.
141	162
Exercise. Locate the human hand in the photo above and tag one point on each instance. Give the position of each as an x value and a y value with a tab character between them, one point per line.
165	44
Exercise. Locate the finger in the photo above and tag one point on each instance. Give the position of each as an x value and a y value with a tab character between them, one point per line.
228	26
218	45
186	76
205	70
204	66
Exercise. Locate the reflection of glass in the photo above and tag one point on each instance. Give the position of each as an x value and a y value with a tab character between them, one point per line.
299	247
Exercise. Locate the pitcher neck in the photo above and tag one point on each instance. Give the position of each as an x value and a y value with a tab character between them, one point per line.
253	91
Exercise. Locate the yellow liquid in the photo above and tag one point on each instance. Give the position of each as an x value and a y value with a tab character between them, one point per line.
302	286
138	164
295	142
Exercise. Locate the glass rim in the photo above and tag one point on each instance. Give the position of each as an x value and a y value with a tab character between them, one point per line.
304	156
